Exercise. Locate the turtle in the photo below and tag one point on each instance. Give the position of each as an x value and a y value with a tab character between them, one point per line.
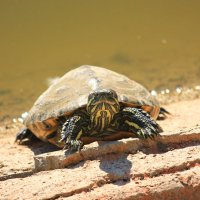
91	102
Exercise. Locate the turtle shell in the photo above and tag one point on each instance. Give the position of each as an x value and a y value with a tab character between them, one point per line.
71	92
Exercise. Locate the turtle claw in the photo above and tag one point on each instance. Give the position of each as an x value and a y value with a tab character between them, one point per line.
74	145
24	134
147	133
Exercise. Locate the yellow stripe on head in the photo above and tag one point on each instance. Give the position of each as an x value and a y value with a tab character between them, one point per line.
102	106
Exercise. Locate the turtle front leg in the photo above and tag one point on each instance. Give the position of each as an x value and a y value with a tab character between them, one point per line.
72	130
138	122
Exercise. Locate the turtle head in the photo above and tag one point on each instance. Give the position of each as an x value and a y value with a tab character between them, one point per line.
102	106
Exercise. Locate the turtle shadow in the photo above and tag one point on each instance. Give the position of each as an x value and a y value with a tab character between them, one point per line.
117	166
39	147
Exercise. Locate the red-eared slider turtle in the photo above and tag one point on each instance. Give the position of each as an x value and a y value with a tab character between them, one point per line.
91	101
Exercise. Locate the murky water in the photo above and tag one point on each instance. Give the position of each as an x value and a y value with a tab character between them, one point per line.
154	42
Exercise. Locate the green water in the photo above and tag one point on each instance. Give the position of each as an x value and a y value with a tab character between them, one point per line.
155	42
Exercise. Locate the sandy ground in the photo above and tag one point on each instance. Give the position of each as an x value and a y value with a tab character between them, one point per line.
147	173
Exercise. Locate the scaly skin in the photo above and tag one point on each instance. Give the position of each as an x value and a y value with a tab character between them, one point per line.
104	117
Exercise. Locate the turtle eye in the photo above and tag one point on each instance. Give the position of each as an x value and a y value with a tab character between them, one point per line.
110	98
114	94
97	96
91	96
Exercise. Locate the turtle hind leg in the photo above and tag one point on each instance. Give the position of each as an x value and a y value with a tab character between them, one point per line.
138	122
25	134
163	114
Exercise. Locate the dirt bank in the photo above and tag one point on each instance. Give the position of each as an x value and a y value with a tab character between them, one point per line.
168	168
